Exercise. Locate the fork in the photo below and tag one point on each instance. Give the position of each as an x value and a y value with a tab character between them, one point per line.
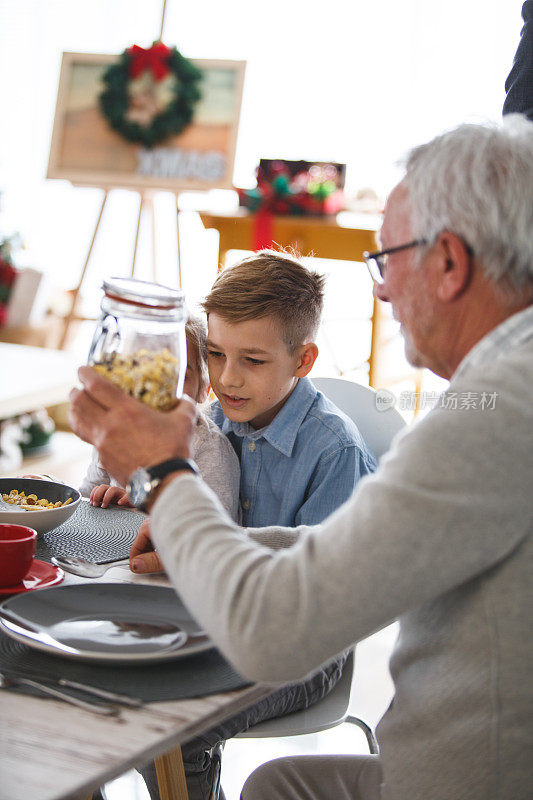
85	568
118	699
106	709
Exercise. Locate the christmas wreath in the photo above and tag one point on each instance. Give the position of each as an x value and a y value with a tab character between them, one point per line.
150	94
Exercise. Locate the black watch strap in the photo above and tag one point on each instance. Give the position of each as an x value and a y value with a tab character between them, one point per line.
172	465
144	482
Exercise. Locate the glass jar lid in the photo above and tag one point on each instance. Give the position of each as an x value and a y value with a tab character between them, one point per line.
143	293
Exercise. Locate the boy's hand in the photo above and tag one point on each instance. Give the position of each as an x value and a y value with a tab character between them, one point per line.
143	557
104	494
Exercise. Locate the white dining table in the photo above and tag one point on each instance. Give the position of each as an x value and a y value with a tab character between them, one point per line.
50	750
33	378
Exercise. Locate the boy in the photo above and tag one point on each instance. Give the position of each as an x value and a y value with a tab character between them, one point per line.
300	456
212	452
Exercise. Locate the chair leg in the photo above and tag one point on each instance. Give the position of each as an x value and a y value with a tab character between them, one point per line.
369	734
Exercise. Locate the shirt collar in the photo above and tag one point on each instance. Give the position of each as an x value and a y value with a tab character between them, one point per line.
283	430
510	333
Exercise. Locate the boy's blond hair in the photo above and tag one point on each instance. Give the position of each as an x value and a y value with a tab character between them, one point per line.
196	334
267	284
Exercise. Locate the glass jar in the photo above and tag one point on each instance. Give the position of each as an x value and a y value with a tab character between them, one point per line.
139	343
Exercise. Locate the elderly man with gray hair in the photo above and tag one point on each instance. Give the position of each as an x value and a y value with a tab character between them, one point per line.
439	537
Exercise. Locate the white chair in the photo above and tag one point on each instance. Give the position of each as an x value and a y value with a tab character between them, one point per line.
378	428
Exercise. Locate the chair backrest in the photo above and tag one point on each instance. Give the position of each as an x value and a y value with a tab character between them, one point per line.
378	427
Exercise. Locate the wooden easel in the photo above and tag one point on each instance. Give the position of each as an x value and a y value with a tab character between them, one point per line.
146	203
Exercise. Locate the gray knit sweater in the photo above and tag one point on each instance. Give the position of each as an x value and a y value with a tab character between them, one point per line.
439	537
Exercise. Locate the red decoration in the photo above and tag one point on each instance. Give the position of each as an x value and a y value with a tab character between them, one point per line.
8	274
263	229
154	58
291	188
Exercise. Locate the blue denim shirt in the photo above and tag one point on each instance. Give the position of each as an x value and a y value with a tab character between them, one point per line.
301	467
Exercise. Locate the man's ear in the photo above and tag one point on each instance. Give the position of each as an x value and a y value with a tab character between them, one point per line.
306	358
454	266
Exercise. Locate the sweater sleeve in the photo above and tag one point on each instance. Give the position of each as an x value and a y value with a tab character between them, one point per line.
218	464
95	475
431	518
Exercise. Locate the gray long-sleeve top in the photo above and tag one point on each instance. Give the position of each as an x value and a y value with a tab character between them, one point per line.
440	537
214	455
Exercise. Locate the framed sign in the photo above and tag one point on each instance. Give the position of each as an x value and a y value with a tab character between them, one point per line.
88	152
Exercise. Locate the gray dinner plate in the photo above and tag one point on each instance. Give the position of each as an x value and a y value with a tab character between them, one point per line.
105	622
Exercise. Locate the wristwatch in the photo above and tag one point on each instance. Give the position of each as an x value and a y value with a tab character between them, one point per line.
145	480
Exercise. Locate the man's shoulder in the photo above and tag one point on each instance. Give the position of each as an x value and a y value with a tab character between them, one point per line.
507	379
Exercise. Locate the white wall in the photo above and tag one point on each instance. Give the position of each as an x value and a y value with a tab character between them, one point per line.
351	80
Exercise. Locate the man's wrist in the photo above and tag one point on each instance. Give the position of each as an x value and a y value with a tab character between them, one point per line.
162	486
145	483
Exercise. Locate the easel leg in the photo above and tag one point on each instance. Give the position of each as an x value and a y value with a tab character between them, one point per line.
141	206
180	284
150	201
70	315
171	776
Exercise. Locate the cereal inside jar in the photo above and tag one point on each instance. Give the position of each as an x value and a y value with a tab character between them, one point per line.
139	343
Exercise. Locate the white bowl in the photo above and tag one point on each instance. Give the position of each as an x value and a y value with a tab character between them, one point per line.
48	518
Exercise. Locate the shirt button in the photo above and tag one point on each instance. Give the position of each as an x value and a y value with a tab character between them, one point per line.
251	446
246	505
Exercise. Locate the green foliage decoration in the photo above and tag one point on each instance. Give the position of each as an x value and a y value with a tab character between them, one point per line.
173	119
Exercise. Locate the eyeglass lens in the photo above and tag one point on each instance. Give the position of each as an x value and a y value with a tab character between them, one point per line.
377	266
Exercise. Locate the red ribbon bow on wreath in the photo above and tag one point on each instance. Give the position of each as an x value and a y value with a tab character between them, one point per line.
153	58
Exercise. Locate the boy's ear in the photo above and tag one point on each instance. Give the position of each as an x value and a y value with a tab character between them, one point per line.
307	356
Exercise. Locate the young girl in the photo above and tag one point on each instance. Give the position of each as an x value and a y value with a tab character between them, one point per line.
212	451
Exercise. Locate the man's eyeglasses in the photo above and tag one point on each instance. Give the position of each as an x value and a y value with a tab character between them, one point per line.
377	262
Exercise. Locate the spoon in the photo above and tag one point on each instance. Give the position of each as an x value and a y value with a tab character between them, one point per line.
85	568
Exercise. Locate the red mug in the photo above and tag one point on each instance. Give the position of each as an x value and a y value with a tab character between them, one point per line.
17	550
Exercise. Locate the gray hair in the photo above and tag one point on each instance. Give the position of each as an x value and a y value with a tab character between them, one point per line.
477	181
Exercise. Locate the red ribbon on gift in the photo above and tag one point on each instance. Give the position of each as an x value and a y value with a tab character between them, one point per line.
263	230
153	58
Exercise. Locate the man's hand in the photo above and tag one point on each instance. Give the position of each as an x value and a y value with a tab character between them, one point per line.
104	494
143	557
126	433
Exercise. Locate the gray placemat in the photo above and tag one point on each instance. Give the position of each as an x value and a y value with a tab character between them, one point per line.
191	676
100	534
94	533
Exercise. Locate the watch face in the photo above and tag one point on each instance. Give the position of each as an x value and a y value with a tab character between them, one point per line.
139	487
